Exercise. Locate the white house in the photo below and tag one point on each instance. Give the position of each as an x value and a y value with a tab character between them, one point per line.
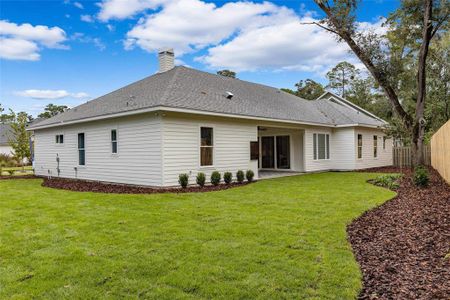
5	131
182	120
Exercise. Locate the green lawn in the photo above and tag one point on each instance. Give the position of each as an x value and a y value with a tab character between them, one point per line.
279	238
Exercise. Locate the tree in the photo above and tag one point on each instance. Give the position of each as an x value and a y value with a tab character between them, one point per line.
306	89
20	139
419	21
52	110
341	76
309	89
4	118
227	73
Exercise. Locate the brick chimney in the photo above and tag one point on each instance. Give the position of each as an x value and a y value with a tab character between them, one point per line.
166	59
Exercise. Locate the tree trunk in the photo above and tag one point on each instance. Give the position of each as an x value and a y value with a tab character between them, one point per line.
418	131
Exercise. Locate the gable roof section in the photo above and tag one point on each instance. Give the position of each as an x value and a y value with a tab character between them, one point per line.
189	89
338	99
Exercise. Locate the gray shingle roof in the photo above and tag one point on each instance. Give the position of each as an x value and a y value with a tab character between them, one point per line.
191	89
4	134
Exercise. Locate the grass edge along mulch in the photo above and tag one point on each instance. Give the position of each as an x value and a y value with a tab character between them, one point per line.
79	185
402	246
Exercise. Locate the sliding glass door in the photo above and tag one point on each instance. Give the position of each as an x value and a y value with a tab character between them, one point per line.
267	152
283	152
275	152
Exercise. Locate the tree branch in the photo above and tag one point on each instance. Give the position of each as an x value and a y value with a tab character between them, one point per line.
320	25
377	74
439	24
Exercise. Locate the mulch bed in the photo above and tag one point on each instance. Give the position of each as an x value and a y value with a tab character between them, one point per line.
100	187
403	246
18	177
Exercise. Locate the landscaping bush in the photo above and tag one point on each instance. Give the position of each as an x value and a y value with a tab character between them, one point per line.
228	177
183	180
389	181
421	177
11	172
201	178
240	176
249	175
215	178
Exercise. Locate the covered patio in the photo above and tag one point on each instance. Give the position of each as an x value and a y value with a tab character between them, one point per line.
280	151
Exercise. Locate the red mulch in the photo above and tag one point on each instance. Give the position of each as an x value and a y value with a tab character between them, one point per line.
401	245
18	177
100	187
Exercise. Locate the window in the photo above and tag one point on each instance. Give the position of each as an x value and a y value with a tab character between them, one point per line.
114	141
206	146
384	142
60	139
360	145
81	150
321	146
375	146
254	150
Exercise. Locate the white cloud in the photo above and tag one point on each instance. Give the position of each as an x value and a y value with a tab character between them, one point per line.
87	18
50	94
190	25
243	36
79	5
23	42
287	45
80	37
18	49
122	9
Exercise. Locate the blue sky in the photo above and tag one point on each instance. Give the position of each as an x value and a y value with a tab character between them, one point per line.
68	52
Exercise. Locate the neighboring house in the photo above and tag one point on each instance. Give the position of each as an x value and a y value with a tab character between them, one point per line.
181	120
5	132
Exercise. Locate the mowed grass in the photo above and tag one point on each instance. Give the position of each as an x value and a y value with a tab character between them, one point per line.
279	238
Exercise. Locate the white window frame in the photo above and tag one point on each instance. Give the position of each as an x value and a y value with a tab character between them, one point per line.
58	139
213	146
114	141
84	149
316	146
375	146
358	146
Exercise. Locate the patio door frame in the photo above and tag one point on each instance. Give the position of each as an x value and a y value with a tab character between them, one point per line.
275	154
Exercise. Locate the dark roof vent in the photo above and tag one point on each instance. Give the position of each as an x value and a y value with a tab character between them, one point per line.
229	95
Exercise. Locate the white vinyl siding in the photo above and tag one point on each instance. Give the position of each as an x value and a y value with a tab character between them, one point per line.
181	146
384	156
139	160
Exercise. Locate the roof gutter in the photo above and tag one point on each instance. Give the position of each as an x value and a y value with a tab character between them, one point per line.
190	111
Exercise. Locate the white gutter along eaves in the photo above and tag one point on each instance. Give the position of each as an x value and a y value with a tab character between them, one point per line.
191	111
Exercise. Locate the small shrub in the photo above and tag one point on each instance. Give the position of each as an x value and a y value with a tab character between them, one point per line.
249	175
389	181
215	178
11	172
228	177
201	178
240	176
183	180
421	177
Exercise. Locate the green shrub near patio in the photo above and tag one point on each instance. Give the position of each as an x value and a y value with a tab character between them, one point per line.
281	238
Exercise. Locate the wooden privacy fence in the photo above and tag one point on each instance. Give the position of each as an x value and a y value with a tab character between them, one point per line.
440	151
402	156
